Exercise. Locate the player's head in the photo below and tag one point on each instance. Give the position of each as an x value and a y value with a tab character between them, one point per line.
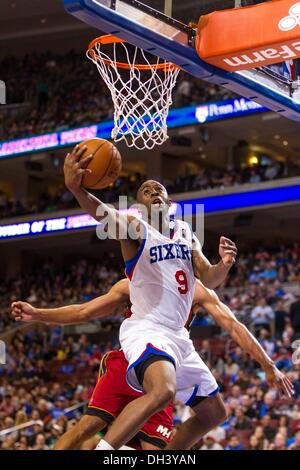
154	196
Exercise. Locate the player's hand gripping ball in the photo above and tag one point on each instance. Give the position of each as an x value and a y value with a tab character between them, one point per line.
105	166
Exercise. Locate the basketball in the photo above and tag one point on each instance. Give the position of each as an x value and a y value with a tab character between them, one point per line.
105	166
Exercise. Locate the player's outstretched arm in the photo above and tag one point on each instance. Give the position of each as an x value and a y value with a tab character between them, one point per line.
214	275
75	167
73	314
225	318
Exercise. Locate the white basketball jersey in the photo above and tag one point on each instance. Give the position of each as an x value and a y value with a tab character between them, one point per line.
162	277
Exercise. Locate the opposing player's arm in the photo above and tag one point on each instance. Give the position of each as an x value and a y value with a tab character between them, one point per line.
213	275
75	167
100	307
225	318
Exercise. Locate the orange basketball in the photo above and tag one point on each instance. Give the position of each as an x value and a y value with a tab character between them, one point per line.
106	164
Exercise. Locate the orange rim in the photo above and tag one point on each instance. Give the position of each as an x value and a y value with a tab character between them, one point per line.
111	39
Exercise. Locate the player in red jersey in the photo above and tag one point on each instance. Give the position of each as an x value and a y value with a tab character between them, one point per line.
112	393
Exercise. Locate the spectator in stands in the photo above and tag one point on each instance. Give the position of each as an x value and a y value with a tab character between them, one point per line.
281	317
295	315
254	176
241	422
271	171
261	436
8	443
231	368
268	407
205	351
269	273
296	444
210	443
262	315
266	342
55	432
201	180
59	407
254	443
288	335
249	406
6	407
40	443
279	443
22	444
234	443
284	360
218	434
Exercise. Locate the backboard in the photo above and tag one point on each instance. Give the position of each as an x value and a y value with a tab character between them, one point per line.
173	39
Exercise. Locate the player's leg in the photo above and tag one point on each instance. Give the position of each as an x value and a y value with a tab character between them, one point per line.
204	399
86	428
159	384
90	444
157	431
209	413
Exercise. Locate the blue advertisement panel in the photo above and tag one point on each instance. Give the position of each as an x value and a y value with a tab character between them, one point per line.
179	117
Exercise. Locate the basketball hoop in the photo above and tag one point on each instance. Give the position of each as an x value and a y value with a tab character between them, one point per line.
141	89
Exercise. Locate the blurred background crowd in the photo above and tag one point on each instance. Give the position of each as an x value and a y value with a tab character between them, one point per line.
49	377
52	89
258	289
49	374
207	178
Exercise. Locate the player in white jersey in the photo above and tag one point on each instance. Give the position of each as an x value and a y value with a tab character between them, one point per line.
162	266
161	287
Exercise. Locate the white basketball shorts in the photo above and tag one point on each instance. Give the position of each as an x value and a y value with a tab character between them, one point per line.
141	338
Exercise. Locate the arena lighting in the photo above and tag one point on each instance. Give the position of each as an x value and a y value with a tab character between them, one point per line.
218	203
177	118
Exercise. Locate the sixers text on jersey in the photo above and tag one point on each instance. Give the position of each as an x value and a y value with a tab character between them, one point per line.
170	251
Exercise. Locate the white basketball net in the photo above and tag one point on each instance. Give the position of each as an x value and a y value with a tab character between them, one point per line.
141	98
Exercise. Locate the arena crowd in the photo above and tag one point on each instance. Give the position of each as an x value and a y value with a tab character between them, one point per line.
49	376
206	178
53	91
